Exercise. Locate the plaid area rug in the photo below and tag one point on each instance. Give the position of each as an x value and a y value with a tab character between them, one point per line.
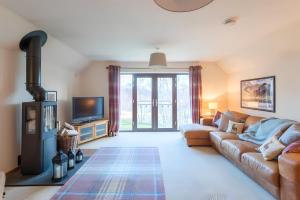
117	173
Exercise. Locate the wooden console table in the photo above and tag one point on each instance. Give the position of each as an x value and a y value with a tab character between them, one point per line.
91	130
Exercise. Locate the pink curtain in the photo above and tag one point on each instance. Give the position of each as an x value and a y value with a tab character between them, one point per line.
195	92
114	99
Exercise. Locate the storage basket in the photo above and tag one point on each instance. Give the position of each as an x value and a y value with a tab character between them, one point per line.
66	142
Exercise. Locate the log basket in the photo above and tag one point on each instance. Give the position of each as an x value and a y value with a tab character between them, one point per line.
67	142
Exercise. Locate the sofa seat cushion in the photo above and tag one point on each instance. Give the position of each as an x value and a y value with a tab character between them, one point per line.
267	170
235	148
196	131
217	137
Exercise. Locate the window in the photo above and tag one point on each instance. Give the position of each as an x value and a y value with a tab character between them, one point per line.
154	102
183	100
126	102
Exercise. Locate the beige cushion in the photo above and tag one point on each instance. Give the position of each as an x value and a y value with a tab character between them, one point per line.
233	116
271	148
224	121
235	127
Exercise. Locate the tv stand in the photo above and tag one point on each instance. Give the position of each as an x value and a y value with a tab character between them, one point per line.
89	131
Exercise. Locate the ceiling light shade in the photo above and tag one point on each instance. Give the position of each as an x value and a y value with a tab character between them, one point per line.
182	5
158	59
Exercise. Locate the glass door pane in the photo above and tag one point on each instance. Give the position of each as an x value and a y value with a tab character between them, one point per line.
183	101
144	102
126	102
164	102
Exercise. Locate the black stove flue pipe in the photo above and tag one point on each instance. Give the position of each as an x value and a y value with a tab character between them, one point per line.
32	43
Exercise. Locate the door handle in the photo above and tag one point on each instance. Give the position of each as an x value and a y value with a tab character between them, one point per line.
156	102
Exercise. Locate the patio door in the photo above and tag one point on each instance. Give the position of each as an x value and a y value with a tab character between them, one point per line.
154	102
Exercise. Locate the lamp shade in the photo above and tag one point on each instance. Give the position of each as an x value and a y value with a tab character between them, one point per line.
213	106
182	5
158	59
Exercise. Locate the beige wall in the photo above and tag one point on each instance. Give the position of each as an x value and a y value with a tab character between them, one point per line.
214	81
59	63
277	54
93	81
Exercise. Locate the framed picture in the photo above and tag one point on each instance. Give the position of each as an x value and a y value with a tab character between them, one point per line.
258	94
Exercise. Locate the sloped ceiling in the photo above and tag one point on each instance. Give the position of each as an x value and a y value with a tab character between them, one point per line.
129	30
281	46
55	52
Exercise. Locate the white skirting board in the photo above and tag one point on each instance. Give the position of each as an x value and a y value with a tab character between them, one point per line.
2	183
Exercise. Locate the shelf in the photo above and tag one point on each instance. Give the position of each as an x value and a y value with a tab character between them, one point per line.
84	134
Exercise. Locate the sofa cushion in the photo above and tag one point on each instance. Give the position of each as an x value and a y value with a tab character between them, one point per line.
235	148
292	134
224	121
252	129
197	131
271	148
264	169
239	116
235	127
217	137
233	116
252	120
216	118
293	148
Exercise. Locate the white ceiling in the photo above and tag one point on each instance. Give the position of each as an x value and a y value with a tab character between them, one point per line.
129	30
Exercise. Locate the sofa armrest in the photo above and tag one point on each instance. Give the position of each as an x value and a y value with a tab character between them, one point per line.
289	169
206	121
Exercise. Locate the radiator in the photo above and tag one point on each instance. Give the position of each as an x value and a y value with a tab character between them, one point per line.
2	183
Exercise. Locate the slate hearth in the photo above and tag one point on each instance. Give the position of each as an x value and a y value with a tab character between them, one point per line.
15	178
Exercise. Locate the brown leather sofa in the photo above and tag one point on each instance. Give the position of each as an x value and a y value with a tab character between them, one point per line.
281	178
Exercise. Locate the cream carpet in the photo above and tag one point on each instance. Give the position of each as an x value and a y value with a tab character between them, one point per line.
197	173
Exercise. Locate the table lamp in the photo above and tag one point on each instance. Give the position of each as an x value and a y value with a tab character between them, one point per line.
212	106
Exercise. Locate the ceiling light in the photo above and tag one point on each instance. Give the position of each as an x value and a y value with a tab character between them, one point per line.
158	59
182	5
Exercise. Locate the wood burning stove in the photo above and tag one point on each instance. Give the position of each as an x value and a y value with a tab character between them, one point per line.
40	116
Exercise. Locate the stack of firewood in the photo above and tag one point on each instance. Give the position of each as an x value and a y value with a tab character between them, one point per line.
67	138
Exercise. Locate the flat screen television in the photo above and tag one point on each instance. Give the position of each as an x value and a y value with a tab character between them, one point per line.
87	109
